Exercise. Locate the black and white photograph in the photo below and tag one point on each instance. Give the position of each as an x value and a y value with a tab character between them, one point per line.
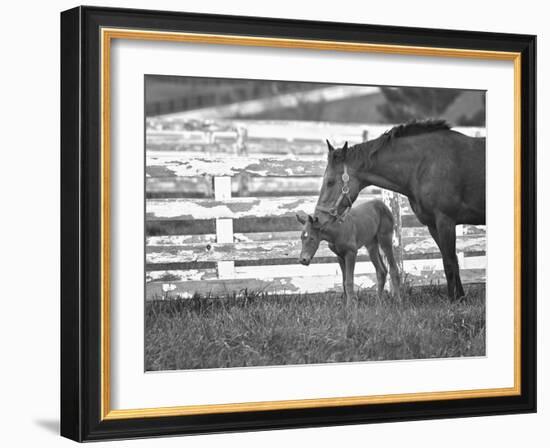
272	224
275	224
291	223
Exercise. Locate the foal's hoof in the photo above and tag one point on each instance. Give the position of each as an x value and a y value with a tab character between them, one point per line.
351	330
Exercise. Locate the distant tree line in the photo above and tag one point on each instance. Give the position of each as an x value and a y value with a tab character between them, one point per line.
408	103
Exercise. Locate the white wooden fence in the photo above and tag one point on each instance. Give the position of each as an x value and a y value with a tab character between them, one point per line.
221	205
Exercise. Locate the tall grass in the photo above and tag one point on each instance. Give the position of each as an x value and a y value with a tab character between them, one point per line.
258	330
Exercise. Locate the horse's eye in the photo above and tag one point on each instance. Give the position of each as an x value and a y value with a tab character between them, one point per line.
330	182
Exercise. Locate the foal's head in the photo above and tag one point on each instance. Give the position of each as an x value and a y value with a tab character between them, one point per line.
340	183
311	237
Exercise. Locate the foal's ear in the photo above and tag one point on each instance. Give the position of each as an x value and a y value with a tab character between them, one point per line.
330	147
314	220
300	219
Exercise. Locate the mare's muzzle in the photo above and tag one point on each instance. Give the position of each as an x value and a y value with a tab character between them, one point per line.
344	196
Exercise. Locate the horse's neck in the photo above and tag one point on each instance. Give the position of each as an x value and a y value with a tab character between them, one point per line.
383	181
391	170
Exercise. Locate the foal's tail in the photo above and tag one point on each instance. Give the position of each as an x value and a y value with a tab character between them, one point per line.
385	240
385	224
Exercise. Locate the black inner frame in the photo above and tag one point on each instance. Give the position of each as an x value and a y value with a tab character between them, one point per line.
81	223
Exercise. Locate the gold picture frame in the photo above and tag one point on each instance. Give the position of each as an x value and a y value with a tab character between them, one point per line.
106	31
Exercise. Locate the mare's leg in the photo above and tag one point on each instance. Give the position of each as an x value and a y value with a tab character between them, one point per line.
435	236
349	261
381	271
386	242
446	234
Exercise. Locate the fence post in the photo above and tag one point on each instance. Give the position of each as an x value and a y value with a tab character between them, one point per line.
240	142
392	200
241	149
224	226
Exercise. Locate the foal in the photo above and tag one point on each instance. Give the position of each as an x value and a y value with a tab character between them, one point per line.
368	224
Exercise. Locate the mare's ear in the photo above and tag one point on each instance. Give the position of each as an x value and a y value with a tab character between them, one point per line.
345	150
300	219
330	147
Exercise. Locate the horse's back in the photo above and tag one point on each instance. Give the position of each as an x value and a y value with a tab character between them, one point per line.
470	156
452	176
371	216
454	145
373	207
471	152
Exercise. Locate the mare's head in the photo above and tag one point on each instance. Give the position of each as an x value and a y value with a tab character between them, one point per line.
340	183
311	237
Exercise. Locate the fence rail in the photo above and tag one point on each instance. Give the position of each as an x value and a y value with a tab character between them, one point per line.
221	205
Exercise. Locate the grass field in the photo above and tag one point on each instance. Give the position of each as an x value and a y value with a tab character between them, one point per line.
257	330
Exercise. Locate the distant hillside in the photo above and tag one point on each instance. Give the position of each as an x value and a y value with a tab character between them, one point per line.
468	109
360	109
282	100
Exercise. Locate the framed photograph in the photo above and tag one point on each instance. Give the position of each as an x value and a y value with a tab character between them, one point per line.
276	224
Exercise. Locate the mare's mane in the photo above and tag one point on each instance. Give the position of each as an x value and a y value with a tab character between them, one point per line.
412	128
415	128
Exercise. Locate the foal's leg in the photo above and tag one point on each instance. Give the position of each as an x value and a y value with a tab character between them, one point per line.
342	264
349	260
386	242
381	271
446	232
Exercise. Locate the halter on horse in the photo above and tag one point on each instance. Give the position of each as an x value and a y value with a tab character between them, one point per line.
344	195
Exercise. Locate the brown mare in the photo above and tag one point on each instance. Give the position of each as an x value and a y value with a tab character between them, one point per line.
441	171
368	224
